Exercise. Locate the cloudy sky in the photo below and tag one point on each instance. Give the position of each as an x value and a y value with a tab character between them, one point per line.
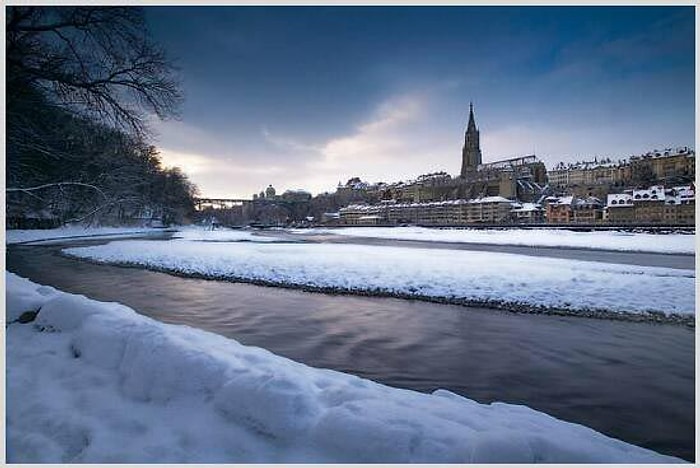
304	97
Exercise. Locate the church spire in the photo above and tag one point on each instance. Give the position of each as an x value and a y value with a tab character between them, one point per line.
471	151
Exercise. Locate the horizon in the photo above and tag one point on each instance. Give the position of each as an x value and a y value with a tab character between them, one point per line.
305	97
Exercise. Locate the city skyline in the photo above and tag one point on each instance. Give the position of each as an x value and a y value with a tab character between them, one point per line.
306	97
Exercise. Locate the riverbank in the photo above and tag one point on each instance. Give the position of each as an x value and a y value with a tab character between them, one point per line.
471	278
27	236
593	372
87	378
686	320
613	240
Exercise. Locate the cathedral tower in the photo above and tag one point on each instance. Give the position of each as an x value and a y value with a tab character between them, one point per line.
471	152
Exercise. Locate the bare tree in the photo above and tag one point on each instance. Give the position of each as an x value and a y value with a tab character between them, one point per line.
98	62
82	84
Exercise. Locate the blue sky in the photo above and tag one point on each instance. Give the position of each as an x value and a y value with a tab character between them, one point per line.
304	97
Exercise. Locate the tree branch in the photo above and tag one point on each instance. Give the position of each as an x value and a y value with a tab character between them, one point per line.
56	184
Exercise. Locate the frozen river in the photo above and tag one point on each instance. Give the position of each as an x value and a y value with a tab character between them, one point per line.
633	381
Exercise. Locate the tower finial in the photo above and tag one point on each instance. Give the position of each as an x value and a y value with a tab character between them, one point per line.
472	124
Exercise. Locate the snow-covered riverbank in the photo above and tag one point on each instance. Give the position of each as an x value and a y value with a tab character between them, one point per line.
604	240
479	278
96	382
16	236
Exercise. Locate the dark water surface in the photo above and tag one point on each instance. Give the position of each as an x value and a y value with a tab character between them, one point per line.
632	381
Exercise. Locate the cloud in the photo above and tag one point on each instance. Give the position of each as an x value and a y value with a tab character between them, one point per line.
288	144
405	135
381	138
223	177
192	164
395	141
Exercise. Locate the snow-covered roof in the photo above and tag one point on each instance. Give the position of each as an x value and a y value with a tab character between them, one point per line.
680	194
384	204
666	153
358	208
619	199
588	202
653	193
527	207
684	192
493	199
562	200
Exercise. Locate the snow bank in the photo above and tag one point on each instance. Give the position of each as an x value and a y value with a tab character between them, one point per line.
604	240
222	235
95	382
15	236
25	297
485	277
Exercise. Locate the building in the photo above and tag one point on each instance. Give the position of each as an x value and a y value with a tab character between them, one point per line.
587	210
522	178
670	166
355	214
559	209
492	210
680	201
485	210
654	205
619	208
558	177
600	177
649	204
527	213
471	151
571	209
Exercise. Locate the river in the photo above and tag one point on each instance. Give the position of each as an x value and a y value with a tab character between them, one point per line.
632	381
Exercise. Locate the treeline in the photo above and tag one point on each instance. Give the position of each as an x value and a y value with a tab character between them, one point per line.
82	83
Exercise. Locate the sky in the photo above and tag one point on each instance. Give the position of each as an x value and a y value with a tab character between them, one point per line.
306	97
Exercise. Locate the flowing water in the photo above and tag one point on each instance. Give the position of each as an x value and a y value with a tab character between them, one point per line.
632	381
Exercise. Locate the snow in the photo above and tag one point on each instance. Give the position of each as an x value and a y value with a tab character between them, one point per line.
487	277
563	200
190	233
527	207
607	240
95	382
492	199
655	192
15	236
222	235
619	199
